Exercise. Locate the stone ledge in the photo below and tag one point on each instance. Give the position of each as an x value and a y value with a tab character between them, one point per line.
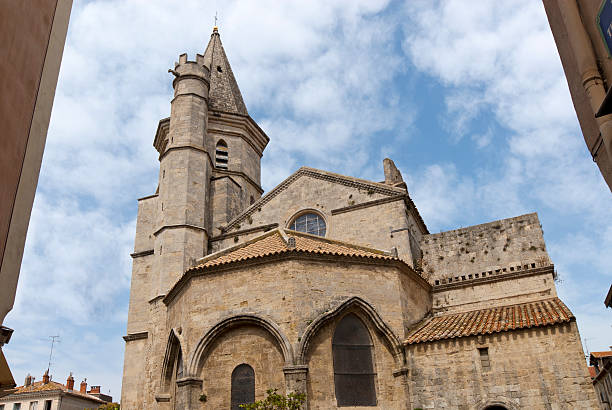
368	204
162	398
490	276
264	228
299	368
135	336
141	253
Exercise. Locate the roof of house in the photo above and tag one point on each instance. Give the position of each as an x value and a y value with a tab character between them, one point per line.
599	355
491	320
39	386
276	242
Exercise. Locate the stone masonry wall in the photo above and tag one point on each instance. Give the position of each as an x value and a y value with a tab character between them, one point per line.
494	245
538	368
481	295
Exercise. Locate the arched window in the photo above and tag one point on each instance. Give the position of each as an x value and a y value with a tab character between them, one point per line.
310	223
221	155
353	369
243	386
495	407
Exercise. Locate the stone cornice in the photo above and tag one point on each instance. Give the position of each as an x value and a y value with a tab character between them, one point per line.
187	146
259	140
141	253
374	187
244	232
492	276
368	204
220	173
160	135
148	197
135	336
292	255
189	226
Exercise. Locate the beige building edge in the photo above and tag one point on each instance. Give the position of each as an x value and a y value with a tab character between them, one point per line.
33	35
329	285
588	69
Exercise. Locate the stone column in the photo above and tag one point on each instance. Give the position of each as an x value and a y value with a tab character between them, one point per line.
188	392
296	379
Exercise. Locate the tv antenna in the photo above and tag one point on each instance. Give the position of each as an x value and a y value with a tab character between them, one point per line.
54	339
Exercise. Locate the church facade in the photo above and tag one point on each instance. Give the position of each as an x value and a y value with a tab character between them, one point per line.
329	285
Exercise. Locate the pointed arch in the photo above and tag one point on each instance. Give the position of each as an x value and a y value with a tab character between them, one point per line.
172	358
497	403
203	346
354	303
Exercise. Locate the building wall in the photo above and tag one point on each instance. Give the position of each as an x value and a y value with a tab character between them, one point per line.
499	292
540	368
33	34
586	115
502	244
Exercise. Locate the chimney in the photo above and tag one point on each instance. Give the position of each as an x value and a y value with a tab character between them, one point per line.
70	382
28	380
84	386
94	390
46	377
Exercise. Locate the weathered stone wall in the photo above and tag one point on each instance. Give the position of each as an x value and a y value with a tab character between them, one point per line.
500	244
538	368
338	204
499	292
391	391
132	385
246	344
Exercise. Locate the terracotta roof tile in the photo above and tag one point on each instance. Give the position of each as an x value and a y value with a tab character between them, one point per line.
275	242
40	387
492	320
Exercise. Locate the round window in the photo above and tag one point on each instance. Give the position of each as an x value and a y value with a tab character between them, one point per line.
310	223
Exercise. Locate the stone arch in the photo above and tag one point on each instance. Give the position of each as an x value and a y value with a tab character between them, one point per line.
354	303
173	350
495	403
201	350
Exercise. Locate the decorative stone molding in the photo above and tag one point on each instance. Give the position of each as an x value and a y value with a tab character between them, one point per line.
368	204
135	336
162	398
264	228
201	350
370	312
495	275
189	381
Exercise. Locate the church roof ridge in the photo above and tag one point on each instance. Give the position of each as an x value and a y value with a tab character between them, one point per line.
326	175
543	312
224	94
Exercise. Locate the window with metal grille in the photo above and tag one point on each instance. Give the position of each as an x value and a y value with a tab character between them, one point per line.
310	223
243	386
221	155
354	376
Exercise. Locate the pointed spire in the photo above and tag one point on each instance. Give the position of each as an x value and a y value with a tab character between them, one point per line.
224	92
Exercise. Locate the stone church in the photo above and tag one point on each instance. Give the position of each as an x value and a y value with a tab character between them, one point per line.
329	285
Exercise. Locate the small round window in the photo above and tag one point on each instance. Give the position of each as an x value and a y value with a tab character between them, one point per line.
310	223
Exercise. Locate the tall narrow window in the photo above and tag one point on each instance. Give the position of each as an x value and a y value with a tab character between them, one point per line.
353	368
221	155
243	386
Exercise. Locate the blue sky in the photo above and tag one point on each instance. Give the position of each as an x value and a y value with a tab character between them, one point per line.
468	98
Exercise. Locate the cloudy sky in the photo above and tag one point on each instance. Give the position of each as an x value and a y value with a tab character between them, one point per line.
468	98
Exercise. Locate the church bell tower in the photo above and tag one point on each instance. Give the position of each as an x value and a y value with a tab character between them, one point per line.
210	153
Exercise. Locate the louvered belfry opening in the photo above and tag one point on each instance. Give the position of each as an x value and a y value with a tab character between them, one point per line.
243	386
221	155
354	375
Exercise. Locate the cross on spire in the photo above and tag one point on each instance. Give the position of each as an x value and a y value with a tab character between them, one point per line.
215	19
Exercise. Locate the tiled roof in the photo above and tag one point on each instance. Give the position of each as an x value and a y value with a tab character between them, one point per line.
599	355
276	242
51	386
492	320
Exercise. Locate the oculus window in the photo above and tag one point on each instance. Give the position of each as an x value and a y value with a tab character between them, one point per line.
309	223
353	368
